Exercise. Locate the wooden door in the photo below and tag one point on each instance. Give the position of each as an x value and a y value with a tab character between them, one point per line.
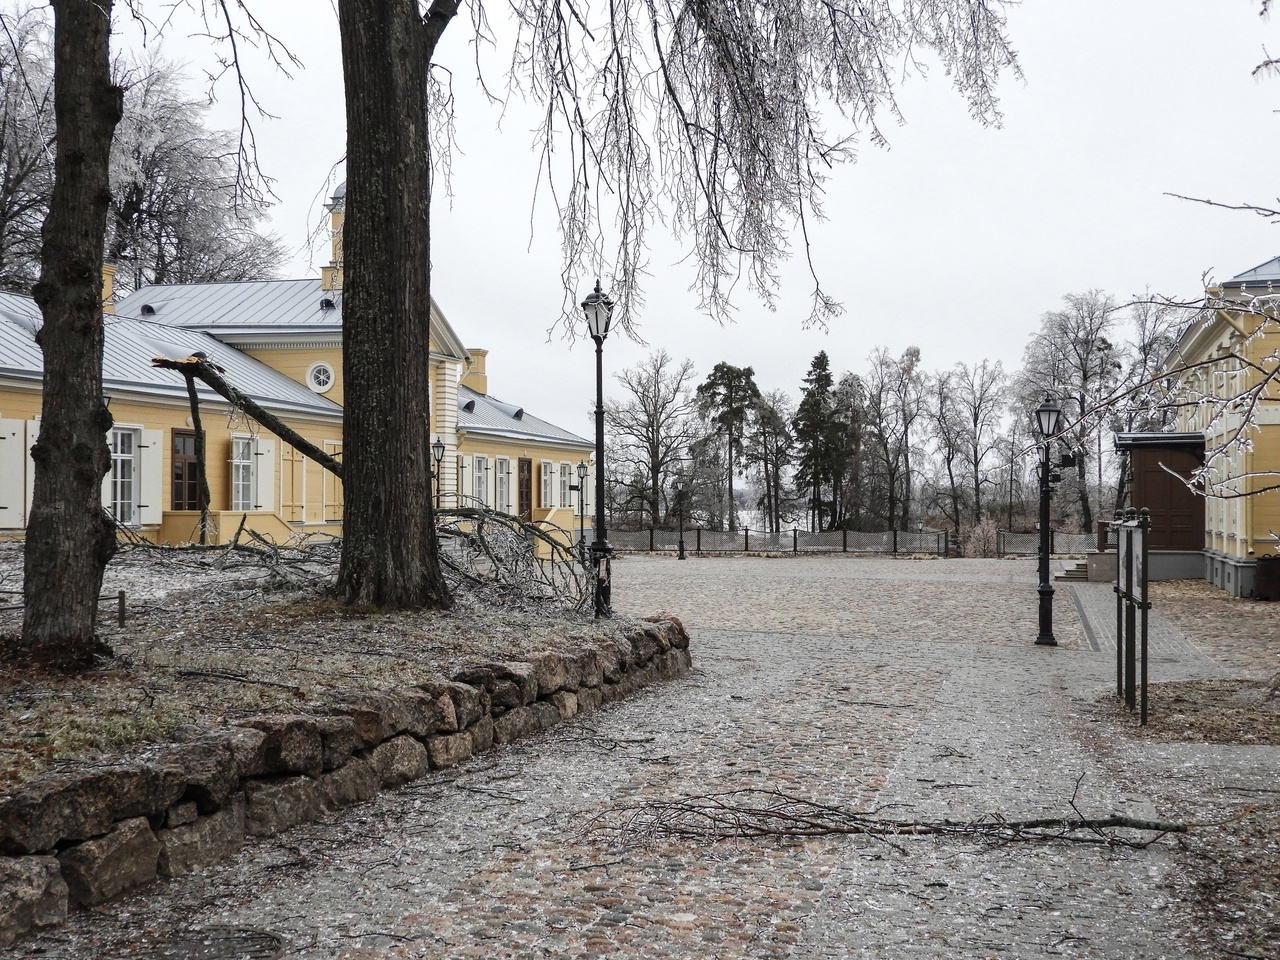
1177	513
524	491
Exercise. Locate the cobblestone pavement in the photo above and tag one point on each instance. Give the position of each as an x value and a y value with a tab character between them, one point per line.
912	687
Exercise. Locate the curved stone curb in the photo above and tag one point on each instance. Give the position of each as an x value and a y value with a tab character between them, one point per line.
84	837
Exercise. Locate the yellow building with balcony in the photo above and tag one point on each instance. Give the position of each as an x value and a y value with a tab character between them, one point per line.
1227	367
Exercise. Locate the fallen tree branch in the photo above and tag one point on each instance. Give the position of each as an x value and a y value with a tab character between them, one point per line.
749	813
197	366
505	555
237	678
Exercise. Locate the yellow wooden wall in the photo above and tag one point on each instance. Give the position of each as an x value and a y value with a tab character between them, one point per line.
302	494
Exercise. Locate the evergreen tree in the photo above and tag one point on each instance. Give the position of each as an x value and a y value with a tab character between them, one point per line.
728	398
813	428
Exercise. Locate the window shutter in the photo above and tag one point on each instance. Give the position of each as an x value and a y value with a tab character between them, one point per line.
13	474
264	473
151	477
33	434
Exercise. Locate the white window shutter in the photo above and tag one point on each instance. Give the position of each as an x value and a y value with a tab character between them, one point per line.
151	477
13	474
264	471
33	434
107	491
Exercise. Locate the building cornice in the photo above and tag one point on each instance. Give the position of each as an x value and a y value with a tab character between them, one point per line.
526	438
283	343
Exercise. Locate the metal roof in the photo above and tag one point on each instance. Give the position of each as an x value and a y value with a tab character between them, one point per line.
482	414
243	306
129	345
1263	274
1127	441
256	309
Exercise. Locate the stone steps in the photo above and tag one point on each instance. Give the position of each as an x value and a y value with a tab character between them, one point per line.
1080	572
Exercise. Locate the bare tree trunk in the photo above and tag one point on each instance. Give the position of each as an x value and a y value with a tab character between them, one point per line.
390	556
1082	482
202	471
70	539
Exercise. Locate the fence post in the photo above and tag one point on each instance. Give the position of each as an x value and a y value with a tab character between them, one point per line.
795	539
999	543
844	540
699	538
895	540
120	607
651	539
746	539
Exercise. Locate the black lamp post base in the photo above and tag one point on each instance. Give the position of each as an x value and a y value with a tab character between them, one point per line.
1046	638
602	560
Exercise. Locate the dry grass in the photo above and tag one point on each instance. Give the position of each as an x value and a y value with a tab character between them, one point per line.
1241	635
207	642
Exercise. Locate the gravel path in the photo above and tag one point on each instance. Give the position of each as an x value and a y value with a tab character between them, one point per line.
909	686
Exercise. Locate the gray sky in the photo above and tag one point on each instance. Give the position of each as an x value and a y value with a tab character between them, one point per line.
956	238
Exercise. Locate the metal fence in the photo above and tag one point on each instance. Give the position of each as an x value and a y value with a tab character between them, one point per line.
1009	543
698	540
15	605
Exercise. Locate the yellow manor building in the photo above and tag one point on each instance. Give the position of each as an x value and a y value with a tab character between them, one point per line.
1227	356
280	342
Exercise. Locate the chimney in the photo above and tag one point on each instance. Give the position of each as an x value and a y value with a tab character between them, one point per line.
331	276
475	377
108	287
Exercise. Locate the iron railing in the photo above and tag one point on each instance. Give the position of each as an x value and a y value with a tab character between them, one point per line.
699	540
1010	543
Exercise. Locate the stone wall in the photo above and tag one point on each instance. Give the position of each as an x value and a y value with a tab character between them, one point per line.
80	838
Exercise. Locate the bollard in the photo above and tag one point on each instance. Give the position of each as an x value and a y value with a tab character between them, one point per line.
120	607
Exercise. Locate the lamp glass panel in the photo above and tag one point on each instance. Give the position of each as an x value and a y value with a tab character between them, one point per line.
1047	415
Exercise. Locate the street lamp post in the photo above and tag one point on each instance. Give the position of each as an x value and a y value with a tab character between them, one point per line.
437	454
680	513
582	470
1047	415
599	313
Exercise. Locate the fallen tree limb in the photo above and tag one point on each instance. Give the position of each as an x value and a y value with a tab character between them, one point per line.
235	677
750	813
194	366
515	560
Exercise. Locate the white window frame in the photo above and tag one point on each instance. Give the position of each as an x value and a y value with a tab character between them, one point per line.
548	486
331	501
124	482
502	484
321	376
244	470
480	478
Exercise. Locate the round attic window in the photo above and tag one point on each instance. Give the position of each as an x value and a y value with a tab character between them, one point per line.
320	376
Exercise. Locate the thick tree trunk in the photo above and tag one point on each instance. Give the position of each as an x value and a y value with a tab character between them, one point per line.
390	556
70	539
